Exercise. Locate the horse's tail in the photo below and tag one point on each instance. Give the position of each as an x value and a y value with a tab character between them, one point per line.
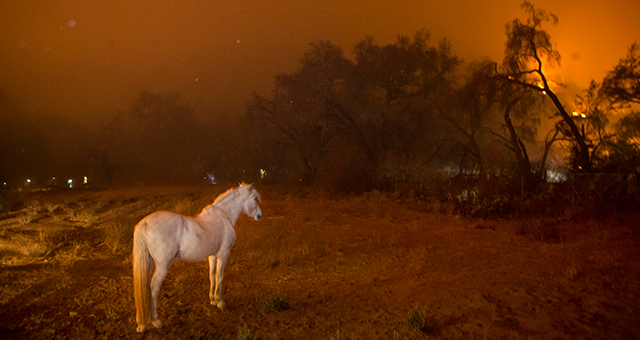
141	266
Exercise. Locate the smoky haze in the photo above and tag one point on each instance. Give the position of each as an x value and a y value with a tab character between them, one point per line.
150	91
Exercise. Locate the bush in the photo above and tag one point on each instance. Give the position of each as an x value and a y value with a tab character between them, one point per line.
275	304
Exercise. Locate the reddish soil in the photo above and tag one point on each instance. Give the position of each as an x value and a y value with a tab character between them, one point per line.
349	268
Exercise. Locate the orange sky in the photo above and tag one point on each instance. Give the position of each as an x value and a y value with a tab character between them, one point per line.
90	58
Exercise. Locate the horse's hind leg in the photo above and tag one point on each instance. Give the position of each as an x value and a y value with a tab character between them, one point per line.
161	272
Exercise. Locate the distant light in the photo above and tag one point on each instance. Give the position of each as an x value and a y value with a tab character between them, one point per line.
211	177
583	115
85	180
263	173
575	113
71	23
28	180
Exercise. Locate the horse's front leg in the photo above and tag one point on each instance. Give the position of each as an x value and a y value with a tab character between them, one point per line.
216	274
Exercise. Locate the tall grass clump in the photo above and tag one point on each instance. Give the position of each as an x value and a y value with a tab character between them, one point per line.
245	333
417	321
275	304
118	234
41	245
29	215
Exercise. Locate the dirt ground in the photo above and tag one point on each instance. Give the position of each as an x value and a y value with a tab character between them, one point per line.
349	268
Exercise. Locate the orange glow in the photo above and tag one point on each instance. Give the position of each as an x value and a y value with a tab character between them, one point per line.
86	60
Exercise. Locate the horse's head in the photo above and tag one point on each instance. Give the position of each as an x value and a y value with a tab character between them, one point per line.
251	205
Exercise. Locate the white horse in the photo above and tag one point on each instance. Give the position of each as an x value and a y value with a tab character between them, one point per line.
163	236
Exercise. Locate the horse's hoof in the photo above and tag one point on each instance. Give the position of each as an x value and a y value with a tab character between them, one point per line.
157	324
221	305
141	329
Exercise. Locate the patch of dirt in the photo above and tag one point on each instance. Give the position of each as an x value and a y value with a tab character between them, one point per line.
350	268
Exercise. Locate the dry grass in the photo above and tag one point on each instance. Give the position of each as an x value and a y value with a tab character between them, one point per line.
415	319
118	233
37	245
353	264
29	215
186	206
245	333
274	303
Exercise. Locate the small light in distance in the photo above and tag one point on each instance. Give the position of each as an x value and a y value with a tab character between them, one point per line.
212	178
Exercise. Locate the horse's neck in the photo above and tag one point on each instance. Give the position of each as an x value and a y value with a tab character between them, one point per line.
231	206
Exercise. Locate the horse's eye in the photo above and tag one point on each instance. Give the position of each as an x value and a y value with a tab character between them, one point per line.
255	199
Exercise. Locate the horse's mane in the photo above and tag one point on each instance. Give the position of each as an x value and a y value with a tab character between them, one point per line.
227	193
223	195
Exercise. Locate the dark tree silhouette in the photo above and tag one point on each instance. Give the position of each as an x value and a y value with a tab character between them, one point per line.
622	84
157	140
529	50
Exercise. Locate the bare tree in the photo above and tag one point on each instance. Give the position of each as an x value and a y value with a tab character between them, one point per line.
529	51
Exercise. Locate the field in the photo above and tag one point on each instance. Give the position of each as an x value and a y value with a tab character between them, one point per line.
321	267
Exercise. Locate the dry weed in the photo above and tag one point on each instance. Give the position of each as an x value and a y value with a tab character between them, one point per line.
30	214
77	251
246	333
87	217
118	234
415	319
51	207
274	304
43	244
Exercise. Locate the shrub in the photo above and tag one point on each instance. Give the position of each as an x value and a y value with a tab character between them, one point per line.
245	333
415	319
275	304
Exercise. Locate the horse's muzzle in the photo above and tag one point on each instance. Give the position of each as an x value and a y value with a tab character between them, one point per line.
259	216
